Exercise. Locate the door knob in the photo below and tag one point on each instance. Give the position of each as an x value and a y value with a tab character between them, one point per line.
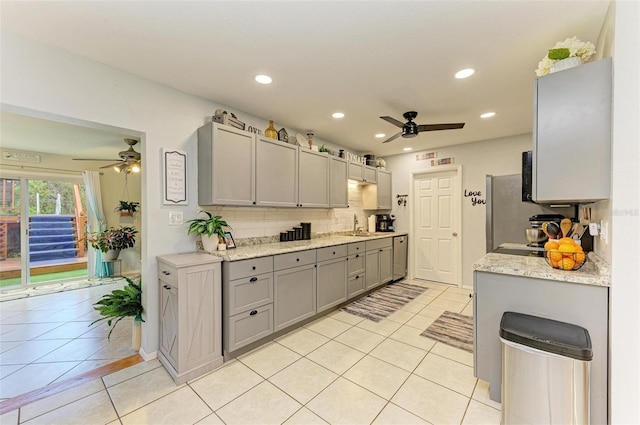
455	233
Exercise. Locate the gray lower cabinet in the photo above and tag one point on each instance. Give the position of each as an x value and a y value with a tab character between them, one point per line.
386	264
190	314
295	295
226	165
313	179
248	301
332	277
276	173
338	182
582	305
379	262
356	282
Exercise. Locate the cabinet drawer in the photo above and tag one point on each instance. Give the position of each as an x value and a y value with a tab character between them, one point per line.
244	328
238	269
167	273
294	259
356	285
379	243
331	252
249	292
356	264
355	248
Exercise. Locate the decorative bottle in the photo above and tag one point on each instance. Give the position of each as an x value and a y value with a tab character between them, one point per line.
271	131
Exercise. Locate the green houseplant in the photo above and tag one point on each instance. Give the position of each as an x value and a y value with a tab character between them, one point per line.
120	304
211	229
126	208
111	241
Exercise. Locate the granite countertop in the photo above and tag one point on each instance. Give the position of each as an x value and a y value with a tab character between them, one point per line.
594	272
264	250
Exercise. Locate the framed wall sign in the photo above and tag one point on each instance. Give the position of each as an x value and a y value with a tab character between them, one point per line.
175	177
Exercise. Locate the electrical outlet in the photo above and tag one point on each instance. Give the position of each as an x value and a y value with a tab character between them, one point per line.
604	227
175	218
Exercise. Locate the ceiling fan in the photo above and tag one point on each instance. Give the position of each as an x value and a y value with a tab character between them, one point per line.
129	161
411	129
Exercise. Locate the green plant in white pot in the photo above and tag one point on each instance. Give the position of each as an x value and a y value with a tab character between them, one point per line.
211	230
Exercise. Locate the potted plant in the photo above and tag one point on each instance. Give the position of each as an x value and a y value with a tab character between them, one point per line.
211	230
111	241
126	208
122	303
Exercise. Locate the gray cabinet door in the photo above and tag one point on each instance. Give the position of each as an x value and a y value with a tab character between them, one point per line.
372	268
356	171
386	265
384	190
169	322
332	283
226	166
313	179
356	285
572	119
370	175
338	178
276	173
294	295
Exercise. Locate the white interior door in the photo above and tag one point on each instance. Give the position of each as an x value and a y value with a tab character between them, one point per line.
436	222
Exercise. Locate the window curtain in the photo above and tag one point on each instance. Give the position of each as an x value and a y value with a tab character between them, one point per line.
96	222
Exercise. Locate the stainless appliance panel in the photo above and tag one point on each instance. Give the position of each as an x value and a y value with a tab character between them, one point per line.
400	249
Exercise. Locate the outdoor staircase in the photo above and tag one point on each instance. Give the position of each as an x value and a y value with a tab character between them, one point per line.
51	237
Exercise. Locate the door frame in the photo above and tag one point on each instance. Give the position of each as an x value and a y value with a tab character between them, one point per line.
457	168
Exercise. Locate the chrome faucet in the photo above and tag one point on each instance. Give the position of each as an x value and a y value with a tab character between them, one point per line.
355	224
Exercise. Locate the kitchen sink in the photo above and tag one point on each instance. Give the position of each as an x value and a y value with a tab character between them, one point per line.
364	235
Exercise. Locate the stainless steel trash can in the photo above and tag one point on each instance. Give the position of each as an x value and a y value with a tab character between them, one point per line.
546	367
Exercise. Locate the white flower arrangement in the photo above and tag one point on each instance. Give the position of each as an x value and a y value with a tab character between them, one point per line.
570	48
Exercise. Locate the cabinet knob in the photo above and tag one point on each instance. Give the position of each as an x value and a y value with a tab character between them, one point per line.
167	287
358	277
253	312
297	259
401	240
253	279
357	255
454	234
253	268
334	253
380	250
166	273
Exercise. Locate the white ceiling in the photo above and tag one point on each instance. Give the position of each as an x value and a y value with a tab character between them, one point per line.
363	58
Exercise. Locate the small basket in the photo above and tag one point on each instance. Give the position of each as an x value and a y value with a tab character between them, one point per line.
565	260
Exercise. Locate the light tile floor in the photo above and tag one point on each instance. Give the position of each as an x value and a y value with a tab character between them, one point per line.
340	369
47	338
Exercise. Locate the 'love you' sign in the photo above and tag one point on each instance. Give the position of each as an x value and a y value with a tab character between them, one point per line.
475	197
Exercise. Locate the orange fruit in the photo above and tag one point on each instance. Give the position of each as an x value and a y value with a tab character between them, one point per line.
555	264
554	255
567	264
551	245
578	248
580	257
565	247
566	240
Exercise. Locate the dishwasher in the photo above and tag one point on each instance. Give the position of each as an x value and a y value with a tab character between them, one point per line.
400	247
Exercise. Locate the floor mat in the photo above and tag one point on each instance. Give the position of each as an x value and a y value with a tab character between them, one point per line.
50	288
453	329
380	304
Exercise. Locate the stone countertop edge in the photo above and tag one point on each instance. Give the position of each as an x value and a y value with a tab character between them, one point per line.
265	250
594	272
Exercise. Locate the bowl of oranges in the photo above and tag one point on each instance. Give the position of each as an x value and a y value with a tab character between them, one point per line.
564	254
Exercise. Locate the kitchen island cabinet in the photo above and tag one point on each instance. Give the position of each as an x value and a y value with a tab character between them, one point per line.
190	315
583	302
572	119
226	166
276	173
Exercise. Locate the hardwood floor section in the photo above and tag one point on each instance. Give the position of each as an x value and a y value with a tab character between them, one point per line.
58	387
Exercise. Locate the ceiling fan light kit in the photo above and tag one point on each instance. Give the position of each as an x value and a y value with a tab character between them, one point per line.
411	129
128	163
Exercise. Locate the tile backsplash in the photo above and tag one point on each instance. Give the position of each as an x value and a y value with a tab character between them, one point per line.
257	222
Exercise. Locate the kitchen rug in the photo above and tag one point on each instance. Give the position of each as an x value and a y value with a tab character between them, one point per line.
453	329
381	303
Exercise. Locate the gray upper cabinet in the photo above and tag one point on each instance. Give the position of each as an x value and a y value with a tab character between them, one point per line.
226	166
338	176
313	179
378	196
362	173
572	134
276	173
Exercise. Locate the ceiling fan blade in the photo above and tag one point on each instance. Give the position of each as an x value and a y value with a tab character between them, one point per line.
393	121
392	138
93	159
113	165
436	127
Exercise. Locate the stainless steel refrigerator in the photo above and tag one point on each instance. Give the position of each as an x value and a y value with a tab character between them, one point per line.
508	215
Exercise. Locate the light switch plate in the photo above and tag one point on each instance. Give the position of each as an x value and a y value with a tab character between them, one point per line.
176	218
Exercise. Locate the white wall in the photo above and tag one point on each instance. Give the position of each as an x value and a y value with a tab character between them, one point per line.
496	157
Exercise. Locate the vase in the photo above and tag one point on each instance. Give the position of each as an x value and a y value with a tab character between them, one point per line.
271	131
209	243
136	334
565	64
110	255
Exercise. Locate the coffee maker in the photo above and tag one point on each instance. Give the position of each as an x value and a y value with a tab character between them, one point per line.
384	222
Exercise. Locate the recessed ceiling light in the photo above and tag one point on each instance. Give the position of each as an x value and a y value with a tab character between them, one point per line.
380	135
407	149
465	73
337	115
488	115
263	79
